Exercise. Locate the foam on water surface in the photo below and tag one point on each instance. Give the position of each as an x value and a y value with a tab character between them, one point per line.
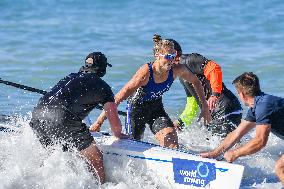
24	163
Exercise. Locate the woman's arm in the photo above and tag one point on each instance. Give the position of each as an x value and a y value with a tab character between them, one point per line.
191	108
182	71
140	78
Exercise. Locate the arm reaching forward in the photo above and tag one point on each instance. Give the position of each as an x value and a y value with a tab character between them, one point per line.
182	71
231	139
140	78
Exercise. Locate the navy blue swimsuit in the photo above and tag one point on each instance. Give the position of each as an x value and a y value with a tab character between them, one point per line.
156	90
149	109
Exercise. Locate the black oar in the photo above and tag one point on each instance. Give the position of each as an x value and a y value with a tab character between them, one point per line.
24	87
31	89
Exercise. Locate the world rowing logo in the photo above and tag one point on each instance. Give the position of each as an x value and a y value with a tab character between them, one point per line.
196	173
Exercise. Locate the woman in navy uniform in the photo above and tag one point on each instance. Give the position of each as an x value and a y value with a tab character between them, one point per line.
154	79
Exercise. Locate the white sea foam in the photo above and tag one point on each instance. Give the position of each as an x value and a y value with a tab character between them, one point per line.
24	163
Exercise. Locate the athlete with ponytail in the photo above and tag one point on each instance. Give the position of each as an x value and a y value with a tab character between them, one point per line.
151	81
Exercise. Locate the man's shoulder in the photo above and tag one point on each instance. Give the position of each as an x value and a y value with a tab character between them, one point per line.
91	79
262	102
264	98
266	103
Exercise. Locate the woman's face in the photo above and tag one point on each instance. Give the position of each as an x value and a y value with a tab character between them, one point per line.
177	59
167	59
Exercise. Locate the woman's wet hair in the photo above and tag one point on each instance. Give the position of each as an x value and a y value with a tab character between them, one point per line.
177	47
161	44
248	83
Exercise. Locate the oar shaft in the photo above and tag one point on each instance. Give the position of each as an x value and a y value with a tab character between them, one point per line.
24	87
31	89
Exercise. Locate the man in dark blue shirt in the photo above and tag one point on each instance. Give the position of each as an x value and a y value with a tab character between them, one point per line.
266	113
58	116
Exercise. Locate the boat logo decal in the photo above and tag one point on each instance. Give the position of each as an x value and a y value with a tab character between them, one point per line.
195	173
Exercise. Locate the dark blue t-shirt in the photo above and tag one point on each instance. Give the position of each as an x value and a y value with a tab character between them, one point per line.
268	110
79	93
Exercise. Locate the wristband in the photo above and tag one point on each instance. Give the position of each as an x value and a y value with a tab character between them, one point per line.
216	94
181	124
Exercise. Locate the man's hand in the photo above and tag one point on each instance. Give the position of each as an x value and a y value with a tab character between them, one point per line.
210	154
122	136
230	156
177	125
96	127
212	101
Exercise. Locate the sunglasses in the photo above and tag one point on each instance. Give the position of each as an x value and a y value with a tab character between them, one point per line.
168	56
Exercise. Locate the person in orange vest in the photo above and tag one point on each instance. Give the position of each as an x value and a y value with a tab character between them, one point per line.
225	108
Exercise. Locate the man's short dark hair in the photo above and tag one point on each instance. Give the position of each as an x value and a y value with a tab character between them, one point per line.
248	83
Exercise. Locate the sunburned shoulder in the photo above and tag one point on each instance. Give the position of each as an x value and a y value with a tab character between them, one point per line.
142	75
143	70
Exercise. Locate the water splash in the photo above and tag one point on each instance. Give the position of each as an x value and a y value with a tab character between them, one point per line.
25	163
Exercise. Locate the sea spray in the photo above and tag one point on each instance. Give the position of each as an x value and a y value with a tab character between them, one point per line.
25	163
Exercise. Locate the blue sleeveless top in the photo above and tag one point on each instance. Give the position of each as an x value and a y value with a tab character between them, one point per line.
156	90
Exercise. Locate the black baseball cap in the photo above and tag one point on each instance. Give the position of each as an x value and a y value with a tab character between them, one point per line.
99	60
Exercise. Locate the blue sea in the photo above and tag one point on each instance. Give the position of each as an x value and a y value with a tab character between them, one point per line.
42	41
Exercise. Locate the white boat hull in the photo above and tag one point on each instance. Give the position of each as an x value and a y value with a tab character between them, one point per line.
173	168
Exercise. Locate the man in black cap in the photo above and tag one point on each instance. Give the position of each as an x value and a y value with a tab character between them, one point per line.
57	118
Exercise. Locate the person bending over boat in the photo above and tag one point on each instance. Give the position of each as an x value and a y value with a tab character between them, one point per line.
152	80
265	113
57	118
224	106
